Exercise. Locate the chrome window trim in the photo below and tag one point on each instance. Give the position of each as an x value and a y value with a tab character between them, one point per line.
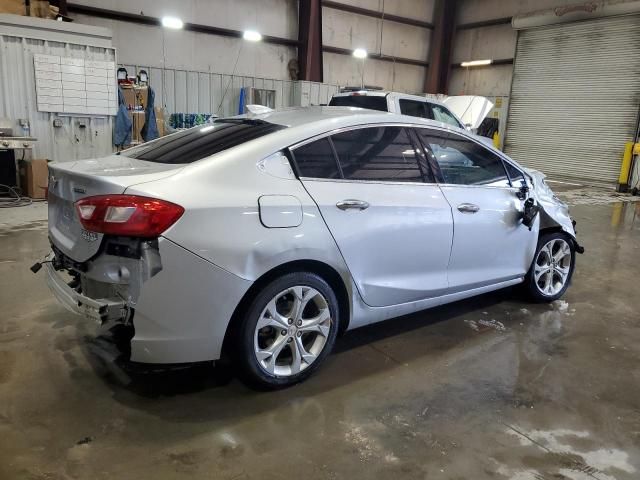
465	134
348	180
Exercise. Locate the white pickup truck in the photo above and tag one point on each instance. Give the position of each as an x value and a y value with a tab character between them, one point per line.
465	111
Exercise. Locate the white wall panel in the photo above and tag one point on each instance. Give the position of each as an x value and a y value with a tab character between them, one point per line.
194	51
493	81
346	70
494	42
418	9
18	99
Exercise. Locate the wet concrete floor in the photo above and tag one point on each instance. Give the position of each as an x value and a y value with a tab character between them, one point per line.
490	388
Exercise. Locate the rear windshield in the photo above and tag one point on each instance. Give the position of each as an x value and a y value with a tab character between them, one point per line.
362	101
202	141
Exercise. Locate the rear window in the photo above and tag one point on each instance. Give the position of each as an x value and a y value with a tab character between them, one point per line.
361	101
202	141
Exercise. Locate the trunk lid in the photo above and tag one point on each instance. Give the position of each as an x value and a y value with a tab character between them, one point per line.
72	181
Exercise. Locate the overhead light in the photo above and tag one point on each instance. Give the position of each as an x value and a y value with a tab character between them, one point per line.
360	53
476	63
252	36
172	22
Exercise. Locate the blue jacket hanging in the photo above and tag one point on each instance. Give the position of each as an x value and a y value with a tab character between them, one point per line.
122	132
149	129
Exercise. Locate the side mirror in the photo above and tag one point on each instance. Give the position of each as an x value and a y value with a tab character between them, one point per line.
523	193
530	213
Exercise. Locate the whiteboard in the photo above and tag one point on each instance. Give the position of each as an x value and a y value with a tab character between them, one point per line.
75	85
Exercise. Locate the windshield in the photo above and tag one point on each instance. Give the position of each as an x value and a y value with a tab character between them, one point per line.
362	101
202	141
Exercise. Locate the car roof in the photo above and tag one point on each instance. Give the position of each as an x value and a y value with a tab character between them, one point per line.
330	118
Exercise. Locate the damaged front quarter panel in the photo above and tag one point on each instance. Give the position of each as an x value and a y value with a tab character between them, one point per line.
554	213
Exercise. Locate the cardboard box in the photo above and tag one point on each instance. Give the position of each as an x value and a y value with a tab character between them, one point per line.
160	120
39	8
137	120
34	177
16	7
135	96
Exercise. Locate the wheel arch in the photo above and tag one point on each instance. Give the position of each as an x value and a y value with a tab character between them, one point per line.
325	271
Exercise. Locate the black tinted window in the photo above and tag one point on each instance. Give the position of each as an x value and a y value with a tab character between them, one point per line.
202	141
382	154
316	160
361	101
414	108
516	176
464	162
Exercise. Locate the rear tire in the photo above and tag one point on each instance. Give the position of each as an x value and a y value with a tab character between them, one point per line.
552	267
287	331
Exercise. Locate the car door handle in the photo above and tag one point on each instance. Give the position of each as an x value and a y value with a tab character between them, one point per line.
352	204
468	208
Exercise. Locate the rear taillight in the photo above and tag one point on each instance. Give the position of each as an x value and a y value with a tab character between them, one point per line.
127	215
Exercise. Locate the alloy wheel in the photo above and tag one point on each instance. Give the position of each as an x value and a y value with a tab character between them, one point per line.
292	330
552	267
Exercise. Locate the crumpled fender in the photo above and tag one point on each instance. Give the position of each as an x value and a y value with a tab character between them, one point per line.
553	211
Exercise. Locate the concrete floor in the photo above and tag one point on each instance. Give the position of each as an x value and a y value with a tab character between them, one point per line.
487	388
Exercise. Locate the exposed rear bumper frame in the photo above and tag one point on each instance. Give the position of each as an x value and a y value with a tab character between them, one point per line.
100	310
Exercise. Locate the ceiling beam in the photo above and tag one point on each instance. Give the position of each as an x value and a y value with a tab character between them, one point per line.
376	56
154	21
484	23
376	14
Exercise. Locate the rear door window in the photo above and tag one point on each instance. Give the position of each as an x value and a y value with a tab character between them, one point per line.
414	108
378	154
202	141
372	102
463	161
316	160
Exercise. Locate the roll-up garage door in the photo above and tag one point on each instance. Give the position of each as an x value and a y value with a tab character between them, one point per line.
575	97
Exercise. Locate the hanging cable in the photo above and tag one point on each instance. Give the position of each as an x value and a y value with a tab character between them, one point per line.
233	72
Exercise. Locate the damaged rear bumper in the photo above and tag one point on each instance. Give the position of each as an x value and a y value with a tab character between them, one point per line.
100	310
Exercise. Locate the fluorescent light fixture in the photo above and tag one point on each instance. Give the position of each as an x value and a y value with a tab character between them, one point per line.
409	152
476	63
252	36
360	53
172	22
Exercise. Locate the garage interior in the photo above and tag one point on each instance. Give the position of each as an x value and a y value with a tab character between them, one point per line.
490	387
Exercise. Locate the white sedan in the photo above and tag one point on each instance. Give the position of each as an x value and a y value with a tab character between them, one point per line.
260	238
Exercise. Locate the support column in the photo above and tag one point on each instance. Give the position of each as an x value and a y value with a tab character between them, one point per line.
310	38
441	48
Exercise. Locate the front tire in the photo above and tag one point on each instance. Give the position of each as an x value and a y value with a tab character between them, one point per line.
552	268
287	331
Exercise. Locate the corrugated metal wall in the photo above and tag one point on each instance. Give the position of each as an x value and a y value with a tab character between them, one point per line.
17	101
185	91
